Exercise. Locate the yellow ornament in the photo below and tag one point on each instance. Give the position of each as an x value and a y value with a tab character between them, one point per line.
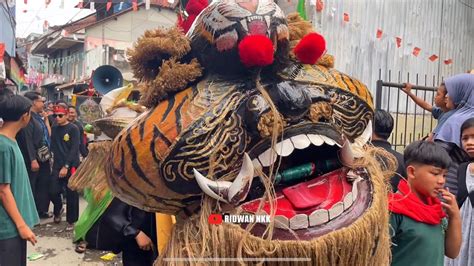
66	137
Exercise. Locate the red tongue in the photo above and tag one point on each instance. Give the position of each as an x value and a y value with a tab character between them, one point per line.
323	192
302	197
257	27
320	193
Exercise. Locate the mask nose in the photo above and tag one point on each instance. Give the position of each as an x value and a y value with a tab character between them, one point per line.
292	101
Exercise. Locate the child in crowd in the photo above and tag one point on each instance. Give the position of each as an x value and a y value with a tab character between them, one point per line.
465	197
440	111
418	225
17	206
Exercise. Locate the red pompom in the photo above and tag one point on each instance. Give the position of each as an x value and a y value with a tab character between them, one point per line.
256	50
310	48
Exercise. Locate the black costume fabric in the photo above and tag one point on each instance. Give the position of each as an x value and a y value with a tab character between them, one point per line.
462	188
65	145
401	170
116	230
82	141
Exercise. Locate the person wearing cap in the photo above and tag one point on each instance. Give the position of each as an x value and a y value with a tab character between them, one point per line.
65	148
30	139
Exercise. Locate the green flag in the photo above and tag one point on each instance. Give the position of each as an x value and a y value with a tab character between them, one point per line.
302	9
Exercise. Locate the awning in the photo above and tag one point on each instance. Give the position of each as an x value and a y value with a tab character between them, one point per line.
72	84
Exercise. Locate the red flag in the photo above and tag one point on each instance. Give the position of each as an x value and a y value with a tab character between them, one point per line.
433	58
109	5
448	61
26	1
319	5
399	41
135	5
379	34
346	17
416	51
79	5
2	51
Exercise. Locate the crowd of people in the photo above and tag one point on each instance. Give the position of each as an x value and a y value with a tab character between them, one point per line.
433	180
42	146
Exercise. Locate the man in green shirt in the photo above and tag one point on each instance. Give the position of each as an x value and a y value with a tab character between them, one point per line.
17	206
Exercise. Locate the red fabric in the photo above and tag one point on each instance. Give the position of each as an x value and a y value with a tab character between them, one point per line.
399	41
59	110
256	51
193	8
408	204
2	51
310	48
319	5
433	58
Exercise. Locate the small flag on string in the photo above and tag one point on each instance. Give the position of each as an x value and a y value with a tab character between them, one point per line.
448	61
64	33
135	5
79	5
92	7
47	2
416	51
399	41
302	9
319	5
346	17
379	34
25	1
147	4
2	51
109	5
24	10
74	36
433	58
45	24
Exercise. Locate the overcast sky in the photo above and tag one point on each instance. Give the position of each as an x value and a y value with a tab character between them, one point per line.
36	13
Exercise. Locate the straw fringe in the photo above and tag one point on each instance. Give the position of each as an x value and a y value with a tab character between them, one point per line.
365	242
90	173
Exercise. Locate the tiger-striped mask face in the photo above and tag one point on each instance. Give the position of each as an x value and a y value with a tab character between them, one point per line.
217	31
215	139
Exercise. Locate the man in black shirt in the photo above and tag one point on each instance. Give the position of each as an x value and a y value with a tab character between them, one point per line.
383	126
38	134
65	147
72	118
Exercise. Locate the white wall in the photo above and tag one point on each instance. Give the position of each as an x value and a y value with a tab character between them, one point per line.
121	32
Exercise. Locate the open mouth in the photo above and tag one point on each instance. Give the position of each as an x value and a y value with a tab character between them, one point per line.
317	191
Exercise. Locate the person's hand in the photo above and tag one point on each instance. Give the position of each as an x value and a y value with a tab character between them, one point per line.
407	88
34	166
26	234
450	205
63	172
143	241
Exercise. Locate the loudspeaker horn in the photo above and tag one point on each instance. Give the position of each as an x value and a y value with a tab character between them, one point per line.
106	78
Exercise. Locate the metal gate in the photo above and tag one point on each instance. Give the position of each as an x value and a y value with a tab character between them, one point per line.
411	121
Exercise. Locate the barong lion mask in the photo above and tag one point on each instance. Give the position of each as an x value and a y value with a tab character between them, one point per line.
284	139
